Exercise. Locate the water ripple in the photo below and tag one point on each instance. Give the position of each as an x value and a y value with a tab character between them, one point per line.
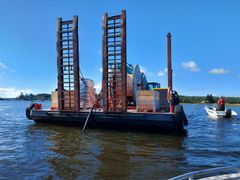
41	151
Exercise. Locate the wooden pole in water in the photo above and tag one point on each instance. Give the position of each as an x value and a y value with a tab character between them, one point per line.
89	114
169	60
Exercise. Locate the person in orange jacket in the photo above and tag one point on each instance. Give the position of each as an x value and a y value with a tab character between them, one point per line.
221	104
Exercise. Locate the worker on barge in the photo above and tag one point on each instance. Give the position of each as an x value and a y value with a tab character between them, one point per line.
221	104
174	100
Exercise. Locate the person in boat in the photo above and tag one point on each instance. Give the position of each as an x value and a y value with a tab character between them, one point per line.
221	104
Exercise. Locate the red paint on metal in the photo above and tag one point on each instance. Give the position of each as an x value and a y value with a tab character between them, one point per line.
68	65
169	60
114	60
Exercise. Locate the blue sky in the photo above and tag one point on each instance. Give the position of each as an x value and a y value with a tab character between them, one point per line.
205	42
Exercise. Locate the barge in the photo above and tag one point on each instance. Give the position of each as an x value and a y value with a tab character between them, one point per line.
172	123
127	100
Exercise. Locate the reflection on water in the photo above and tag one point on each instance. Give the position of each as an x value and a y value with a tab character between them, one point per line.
110	154
47	151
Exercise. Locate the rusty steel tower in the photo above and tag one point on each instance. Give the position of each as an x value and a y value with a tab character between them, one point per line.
68	65
114	60
169	60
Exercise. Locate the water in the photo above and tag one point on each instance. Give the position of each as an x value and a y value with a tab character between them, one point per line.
41	151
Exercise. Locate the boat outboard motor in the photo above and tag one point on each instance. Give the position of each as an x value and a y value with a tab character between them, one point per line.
228	113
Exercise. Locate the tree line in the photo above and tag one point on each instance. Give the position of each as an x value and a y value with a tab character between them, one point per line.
183	99
207	99
32	97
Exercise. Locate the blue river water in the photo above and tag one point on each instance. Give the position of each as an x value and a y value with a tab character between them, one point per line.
30	150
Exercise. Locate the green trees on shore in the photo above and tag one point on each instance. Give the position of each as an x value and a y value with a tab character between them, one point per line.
208	99
183	99
32	97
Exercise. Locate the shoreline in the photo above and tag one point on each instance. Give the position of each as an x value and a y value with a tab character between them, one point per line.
213	103
15	99
232	104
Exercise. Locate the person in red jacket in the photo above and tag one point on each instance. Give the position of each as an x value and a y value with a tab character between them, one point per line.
221	104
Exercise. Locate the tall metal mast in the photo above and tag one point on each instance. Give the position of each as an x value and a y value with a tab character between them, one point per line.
169	59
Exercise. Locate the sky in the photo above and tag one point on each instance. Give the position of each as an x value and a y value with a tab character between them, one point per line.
205	42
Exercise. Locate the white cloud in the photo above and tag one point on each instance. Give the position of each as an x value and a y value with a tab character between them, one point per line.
164	72
218	71
98	86
100	69
2	66
12	92
145	71
160	73
191	66
149	74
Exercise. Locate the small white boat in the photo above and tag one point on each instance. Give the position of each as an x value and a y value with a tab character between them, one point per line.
213	113
219	173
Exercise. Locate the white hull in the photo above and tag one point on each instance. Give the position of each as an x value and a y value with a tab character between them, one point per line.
213	113
212	173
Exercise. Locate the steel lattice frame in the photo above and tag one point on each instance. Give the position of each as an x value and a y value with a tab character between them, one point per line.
114	60
68	65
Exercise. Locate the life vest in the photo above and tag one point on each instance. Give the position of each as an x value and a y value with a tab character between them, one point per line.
221	102
37	106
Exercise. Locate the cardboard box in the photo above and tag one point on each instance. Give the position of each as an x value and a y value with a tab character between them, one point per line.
54	100
148	100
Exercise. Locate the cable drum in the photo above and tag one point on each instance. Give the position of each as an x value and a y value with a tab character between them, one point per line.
136	81
129	85
143	81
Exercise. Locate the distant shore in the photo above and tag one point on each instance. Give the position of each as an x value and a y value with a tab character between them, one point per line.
228	104
232	104
16	99
209	99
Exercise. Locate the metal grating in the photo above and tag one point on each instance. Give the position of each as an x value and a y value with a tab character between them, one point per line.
68	65
114	84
